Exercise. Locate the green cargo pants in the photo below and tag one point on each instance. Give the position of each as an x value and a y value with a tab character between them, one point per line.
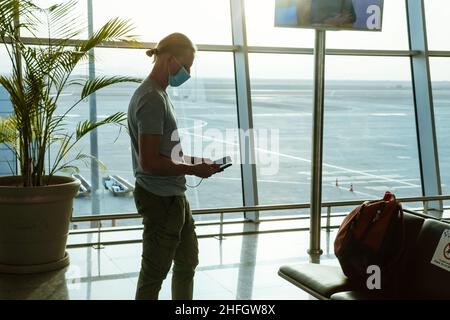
169	236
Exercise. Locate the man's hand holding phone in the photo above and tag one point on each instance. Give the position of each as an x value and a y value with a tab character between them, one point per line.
208	167
205	170
224	163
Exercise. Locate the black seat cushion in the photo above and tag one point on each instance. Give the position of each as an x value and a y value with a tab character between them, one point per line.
321	281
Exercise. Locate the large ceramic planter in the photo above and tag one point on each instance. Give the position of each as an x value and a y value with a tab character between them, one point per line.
34	224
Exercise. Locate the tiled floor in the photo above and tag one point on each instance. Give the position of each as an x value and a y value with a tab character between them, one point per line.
241	267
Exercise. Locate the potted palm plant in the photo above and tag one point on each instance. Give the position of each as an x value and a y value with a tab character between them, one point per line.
36	204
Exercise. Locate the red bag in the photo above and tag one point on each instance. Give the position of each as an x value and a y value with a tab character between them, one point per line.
372	234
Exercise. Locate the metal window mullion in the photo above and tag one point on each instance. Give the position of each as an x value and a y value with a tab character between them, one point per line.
252	49
423	101
244	108
95	176
439	54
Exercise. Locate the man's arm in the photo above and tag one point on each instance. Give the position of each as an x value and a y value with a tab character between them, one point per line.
153	162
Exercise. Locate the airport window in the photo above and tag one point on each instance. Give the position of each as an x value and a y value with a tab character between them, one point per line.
204	21
286	108
207	110
205	107
370	141
437	12
281	88
393	37
440	73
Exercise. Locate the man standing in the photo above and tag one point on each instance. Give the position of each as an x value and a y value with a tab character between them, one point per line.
169	231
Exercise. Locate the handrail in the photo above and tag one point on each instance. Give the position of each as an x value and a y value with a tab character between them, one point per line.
123	216
221	235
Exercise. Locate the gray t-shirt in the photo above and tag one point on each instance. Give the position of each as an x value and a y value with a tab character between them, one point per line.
151	112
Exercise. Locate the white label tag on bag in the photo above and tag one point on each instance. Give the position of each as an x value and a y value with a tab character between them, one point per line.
441	257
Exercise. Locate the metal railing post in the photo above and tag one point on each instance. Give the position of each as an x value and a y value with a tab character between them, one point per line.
317	146
328	218
99	245
221	237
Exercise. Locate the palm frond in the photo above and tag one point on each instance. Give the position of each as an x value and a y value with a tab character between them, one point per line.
114	30
87	126
92	86
40	74
85	159
64	21
8	132
10	10
71	169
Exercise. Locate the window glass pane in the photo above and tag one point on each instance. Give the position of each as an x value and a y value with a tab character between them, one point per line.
69	97
260	20
77	18
7	158
393	37
5	63
440	73
437	13
281	87
206	111
204	21
370	142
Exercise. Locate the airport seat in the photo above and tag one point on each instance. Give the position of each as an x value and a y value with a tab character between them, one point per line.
417	277
320	281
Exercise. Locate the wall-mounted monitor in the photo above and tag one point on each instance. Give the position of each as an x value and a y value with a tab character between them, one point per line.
361	15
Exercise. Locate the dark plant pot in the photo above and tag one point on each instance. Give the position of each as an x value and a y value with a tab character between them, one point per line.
34	224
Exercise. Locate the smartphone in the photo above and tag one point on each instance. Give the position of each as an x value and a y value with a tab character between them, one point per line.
224	163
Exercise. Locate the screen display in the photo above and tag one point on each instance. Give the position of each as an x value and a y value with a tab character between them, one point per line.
362	15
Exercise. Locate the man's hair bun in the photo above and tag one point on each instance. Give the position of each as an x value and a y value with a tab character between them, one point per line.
152	52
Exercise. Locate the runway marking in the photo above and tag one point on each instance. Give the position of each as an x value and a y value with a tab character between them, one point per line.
368	171
281	115
307	161
359	179
266	181
388	114
406	187
395	145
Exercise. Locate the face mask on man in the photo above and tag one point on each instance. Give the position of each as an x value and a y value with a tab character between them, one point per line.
176	80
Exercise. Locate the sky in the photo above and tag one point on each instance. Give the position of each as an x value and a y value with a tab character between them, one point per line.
209	22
